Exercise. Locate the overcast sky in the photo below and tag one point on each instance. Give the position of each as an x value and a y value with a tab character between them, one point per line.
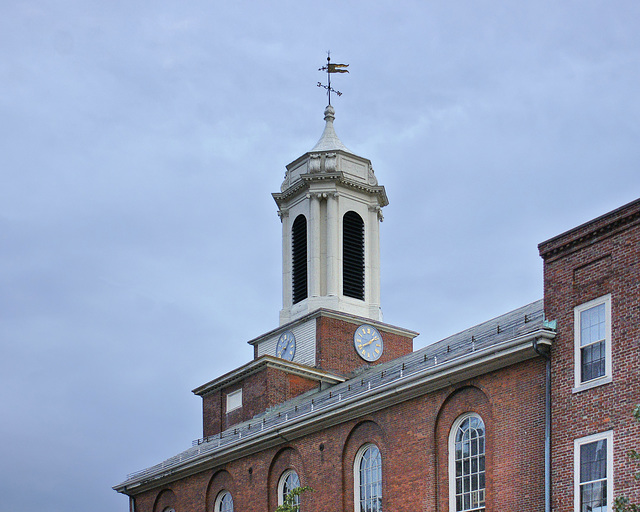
140	143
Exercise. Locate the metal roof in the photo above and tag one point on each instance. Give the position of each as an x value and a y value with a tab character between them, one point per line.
495	337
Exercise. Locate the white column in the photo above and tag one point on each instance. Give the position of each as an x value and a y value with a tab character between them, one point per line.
332	245
372	284
287	296
314	246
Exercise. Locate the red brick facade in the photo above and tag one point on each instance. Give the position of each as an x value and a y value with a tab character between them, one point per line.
261	390
598	258
412	432
334	346
412	438
268	386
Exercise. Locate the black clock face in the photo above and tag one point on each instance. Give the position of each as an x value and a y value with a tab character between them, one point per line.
286	347
368	343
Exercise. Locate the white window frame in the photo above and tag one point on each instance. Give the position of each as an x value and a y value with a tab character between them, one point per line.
452	458
234	400
577	444
356	474
219	498
281	482
607	377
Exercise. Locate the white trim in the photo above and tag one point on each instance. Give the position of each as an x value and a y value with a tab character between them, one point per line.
577	444
592	384
234	400
266	361
338	315
281	482
577	360
451	444
410	386
356	473
218	502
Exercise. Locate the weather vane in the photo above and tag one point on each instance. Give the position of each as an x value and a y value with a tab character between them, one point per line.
332	68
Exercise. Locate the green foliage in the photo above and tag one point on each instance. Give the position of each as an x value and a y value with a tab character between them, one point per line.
289	504
621	503
633	454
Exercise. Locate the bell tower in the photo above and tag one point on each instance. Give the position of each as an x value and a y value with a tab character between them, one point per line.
330	205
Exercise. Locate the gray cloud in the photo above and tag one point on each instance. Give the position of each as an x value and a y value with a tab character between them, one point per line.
139	145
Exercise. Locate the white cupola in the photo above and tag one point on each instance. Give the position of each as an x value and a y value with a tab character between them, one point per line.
330	207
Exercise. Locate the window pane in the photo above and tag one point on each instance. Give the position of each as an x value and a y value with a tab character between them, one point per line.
593	497
370	469
593	361
593	476
291	482
593	461
469	462
592	325
226	503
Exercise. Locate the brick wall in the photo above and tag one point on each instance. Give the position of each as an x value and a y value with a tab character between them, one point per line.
598	258
412	437
335	351
261	390
212	413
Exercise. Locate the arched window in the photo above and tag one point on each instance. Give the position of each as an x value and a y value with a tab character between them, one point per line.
353	256
367	485
467	464
288	481
224	502
299	258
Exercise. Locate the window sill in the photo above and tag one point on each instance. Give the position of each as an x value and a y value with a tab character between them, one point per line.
591	384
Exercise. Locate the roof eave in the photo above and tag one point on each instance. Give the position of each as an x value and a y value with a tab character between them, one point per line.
405	388
262	362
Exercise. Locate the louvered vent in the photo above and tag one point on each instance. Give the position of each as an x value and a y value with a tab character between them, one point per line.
353	255
299	258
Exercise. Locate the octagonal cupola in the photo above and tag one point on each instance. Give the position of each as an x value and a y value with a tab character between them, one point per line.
330	207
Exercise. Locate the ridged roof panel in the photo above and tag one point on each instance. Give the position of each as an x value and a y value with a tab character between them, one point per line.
515	324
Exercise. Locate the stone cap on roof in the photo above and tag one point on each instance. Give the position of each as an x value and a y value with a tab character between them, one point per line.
329	140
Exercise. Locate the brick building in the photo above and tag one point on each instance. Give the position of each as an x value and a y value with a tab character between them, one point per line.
529	411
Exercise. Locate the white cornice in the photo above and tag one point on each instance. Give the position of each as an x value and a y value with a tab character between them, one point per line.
267	362
305	181
307	155
337	315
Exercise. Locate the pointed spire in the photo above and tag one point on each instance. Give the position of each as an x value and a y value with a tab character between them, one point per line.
329	141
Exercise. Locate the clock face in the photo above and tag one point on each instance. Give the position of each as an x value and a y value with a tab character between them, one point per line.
367	341
286	347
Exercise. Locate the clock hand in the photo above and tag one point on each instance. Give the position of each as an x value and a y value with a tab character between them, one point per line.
367	343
